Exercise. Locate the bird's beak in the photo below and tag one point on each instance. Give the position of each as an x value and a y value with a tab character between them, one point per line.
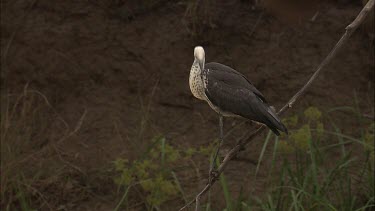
201	64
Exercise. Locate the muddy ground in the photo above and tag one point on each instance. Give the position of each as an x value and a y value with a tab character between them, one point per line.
118	73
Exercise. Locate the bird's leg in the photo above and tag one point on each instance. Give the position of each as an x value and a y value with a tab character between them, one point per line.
213	164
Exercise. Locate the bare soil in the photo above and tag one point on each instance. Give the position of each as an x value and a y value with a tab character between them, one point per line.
125	68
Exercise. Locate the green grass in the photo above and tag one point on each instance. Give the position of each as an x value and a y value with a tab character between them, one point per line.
225	188
23	139
314	168
319	170
317	167
151	179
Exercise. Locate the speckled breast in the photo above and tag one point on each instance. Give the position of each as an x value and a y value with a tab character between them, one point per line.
196	83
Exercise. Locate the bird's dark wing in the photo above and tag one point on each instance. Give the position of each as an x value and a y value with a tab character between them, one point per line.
232	93
232	77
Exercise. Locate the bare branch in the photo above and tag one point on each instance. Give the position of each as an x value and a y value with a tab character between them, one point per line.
368	116
241	144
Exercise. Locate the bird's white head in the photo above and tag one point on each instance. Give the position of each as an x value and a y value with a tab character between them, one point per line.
199	56
199	53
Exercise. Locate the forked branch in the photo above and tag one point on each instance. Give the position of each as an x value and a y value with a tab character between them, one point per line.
241	144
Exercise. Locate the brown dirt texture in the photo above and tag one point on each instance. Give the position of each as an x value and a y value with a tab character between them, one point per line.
115	75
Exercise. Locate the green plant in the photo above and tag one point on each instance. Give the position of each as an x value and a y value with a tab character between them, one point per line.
26	122
154	173
311	176
225	187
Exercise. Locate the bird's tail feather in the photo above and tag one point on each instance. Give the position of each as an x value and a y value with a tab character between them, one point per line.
266	115
273	121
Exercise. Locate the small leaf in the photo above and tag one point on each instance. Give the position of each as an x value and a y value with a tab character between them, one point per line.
301	137
284	147
190	152
291	121
319	130
312	113
120	164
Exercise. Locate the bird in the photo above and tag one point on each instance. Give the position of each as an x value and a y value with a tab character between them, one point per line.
230	94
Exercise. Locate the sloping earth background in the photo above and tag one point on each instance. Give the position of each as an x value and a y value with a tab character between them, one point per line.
118	73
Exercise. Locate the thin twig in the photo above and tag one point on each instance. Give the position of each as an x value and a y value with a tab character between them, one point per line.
255	24
241	144
368	116
42	197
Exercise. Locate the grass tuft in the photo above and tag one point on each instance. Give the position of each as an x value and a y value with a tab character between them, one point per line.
309	171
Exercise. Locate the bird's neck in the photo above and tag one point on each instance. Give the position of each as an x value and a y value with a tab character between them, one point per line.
195	68
196	82
196	65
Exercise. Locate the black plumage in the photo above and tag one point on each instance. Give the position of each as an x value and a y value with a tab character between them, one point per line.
232	93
